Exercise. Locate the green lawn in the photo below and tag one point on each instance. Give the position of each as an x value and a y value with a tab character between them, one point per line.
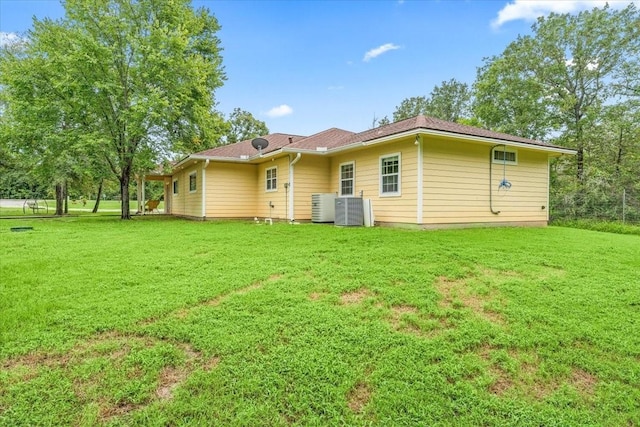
159	321
106	207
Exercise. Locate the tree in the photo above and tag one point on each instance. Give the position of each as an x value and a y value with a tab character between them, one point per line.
411	107
130	81
566	71
243	126
450	101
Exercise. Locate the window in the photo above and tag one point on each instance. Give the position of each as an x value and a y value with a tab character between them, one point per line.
347	179
390	175
175	186
192	182
508	156
272	179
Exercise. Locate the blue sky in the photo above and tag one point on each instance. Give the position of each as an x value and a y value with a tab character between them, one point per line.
306	66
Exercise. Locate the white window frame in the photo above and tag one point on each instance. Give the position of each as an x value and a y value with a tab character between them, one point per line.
382	175
193	175
175	186
341	179
508	150
273	179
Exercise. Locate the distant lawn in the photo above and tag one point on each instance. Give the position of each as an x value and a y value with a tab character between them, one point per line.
159	321
76	207
598	225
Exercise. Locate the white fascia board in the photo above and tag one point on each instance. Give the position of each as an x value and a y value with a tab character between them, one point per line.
486	140
197	158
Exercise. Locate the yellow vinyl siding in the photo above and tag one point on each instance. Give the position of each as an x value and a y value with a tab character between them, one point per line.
456	184
278	197
185	202
231	190
400	208
311	175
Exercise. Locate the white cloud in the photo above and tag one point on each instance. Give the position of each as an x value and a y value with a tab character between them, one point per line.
530	10
280	111
379	51
9	38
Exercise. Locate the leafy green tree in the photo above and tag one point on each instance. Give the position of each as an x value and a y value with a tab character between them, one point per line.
131	81
411	107
384	121
243	126
451	101
509	101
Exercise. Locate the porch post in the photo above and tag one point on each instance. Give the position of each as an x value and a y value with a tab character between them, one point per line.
139	194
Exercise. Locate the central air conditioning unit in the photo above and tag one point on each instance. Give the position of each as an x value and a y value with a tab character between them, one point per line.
322	207
349	211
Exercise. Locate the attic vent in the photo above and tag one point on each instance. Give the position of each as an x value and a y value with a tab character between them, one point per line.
244	157
321	149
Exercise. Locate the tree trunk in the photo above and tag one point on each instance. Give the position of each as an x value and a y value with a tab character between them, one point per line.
66	197
98	197
619	156
124	193
59	199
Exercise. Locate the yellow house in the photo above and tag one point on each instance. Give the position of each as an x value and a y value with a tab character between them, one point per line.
421	171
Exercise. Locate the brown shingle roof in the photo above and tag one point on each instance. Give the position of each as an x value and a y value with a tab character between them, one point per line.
244	148
431	123
334	137
329	138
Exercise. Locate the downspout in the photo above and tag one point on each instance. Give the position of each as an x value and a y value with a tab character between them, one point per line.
420	184
204	189
491	177
291	164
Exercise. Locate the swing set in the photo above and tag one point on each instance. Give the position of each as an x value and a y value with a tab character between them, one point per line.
35	205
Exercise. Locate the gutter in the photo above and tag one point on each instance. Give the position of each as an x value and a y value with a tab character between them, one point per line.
291	187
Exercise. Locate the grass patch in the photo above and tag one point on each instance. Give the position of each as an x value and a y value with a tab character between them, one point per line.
162	321
598	225
107	207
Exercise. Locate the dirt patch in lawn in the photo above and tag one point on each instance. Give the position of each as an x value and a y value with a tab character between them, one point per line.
355	297
458	293
526	378
358	397
501	383
583	381
107	364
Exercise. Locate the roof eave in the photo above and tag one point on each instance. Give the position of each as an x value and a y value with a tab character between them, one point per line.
471	138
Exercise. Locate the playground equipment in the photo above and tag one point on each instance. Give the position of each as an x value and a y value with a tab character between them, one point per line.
35	205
